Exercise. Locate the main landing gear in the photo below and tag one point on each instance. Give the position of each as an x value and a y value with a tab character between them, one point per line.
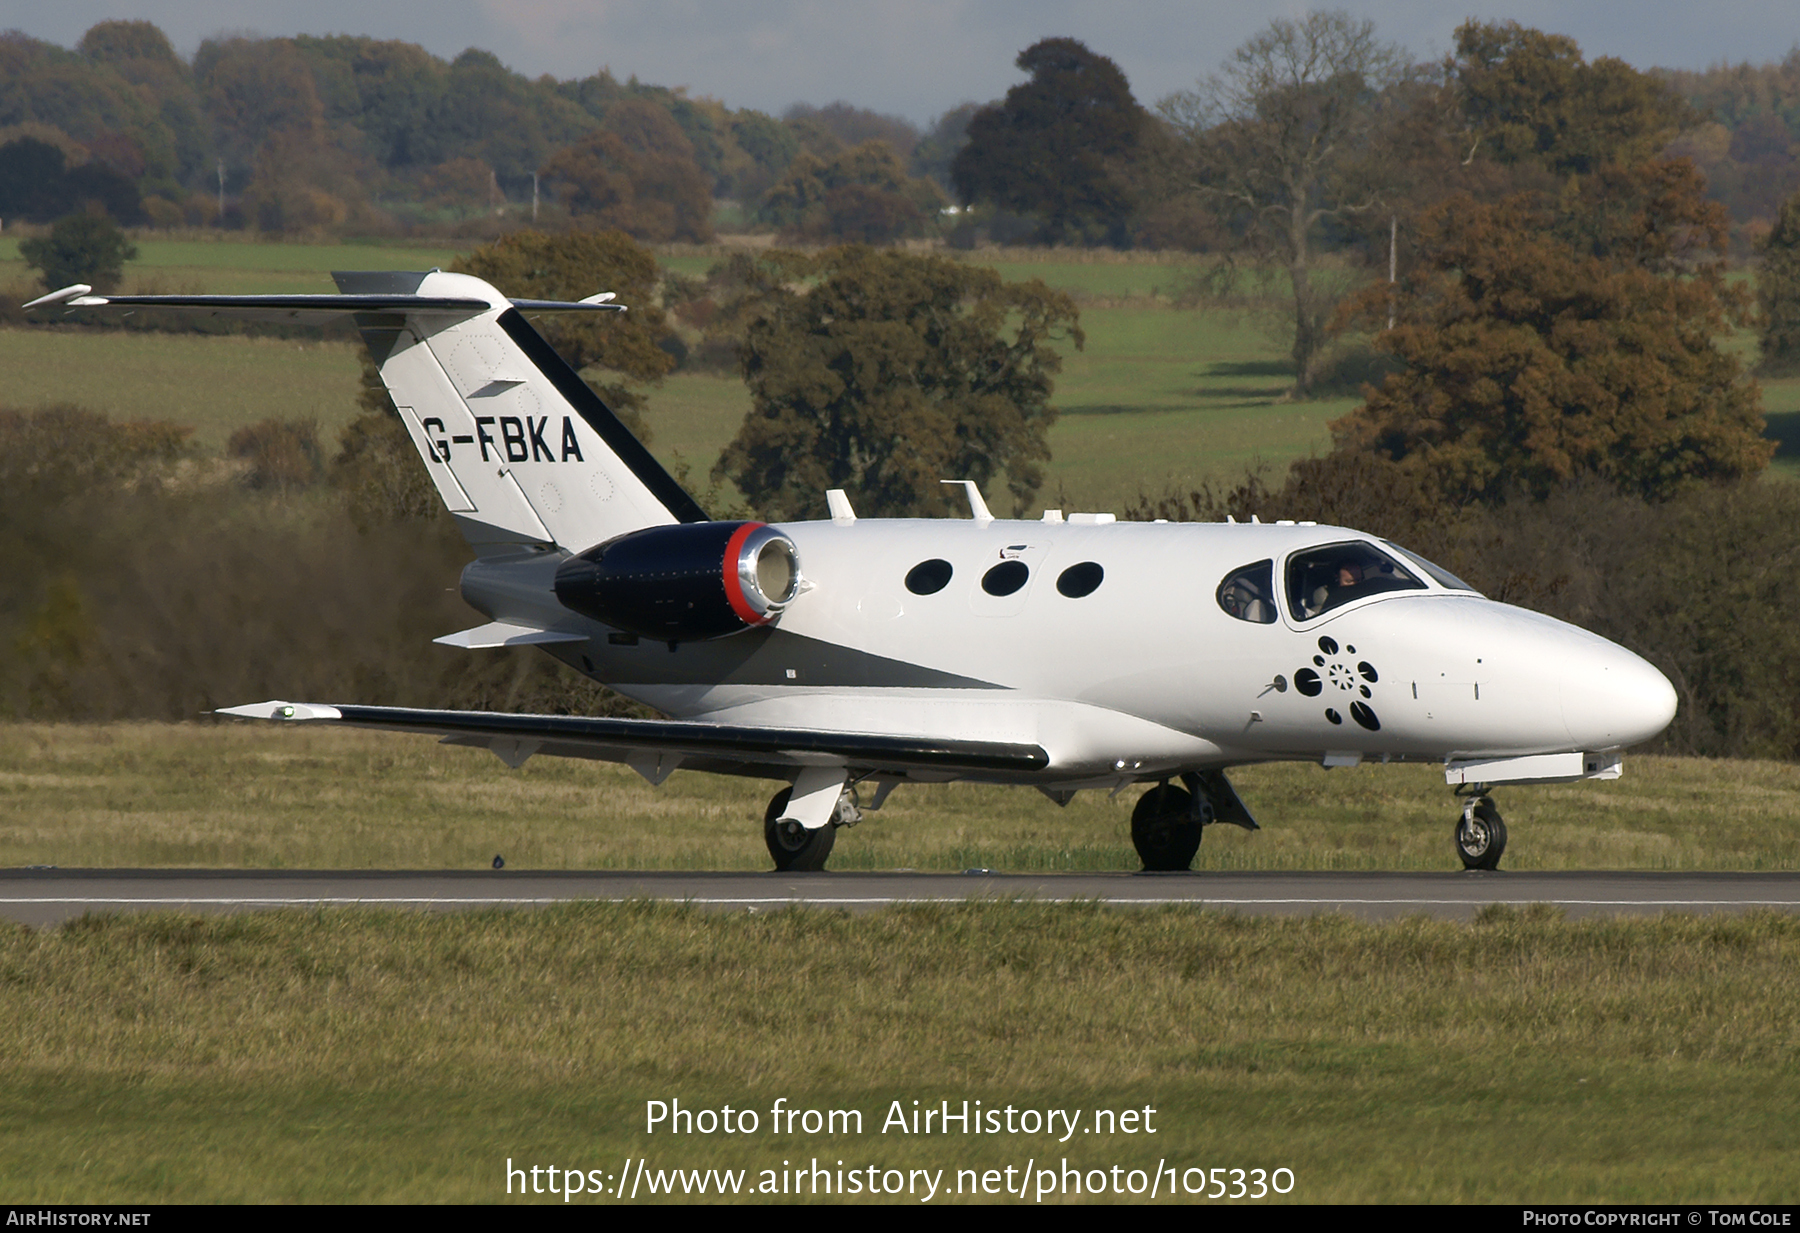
1480	834
797	848
1167	821
1165	827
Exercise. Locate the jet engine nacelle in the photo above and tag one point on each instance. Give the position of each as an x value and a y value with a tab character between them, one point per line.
685	582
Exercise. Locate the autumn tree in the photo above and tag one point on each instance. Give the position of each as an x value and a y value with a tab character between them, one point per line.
1058	147
883	373
1285	137
1778	291
31	180
36	185
1527	96
855	125
1542	343
464	185
636	173
81	248
939	145
863	195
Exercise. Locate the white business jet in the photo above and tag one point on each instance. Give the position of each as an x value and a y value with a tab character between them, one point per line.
855	654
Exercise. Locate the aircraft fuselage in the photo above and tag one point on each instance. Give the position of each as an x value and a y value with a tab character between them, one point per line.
1108	643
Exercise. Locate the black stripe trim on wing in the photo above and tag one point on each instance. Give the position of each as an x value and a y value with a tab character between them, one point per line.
600	418
689	736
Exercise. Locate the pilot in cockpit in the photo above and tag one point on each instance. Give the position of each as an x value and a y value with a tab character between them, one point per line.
1349	578
1330	577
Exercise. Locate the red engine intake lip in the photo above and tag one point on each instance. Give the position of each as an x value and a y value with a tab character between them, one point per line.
741	603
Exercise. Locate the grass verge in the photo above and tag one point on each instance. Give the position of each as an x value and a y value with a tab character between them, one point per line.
359	1056
258	796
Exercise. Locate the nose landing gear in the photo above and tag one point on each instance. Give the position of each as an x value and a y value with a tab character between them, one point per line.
1480	834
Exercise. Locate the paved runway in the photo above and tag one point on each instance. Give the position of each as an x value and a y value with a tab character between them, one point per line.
48	896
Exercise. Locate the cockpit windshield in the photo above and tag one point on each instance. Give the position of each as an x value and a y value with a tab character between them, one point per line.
1445	579
1320	579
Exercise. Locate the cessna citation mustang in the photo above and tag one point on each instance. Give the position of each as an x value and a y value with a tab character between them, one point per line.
1063	654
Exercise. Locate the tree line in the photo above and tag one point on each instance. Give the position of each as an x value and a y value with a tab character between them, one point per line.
349	134
355	135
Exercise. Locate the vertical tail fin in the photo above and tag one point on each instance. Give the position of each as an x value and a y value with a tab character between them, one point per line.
523	453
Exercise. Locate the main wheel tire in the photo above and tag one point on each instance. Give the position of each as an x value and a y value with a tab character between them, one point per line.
793	846
1164	829
1481	837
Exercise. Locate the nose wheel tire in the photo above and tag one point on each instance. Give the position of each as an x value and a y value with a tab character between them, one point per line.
1480	836
1165	829
793	847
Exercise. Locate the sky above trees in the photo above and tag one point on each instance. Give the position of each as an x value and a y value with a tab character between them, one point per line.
917	60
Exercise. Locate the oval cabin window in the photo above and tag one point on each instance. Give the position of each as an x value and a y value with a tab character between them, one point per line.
1081	580
928	577
1006	578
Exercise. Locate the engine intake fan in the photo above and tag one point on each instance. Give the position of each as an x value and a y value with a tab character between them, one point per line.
684	583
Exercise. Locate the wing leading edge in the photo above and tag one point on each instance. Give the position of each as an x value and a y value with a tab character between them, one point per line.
742	749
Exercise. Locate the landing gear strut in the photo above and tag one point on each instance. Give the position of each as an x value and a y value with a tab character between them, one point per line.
1480	834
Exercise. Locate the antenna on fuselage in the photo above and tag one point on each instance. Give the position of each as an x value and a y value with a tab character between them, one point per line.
837	503
977	507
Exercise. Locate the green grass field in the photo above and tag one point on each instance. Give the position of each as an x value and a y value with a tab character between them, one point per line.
257	796
362	1056
214	384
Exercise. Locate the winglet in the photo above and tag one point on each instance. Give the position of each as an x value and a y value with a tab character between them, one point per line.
74	292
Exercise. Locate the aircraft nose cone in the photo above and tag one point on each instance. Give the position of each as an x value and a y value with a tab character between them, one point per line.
1614	699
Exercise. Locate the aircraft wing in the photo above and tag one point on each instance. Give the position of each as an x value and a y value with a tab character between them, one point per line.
655	747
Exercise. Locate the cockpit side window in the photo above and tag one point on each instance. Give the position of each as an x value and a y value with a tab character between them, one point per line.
1248	593
1320	579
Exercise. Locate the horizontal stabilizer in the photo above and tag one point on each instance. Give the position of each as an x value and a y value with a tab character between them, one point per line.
310	309
500	633
705	746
